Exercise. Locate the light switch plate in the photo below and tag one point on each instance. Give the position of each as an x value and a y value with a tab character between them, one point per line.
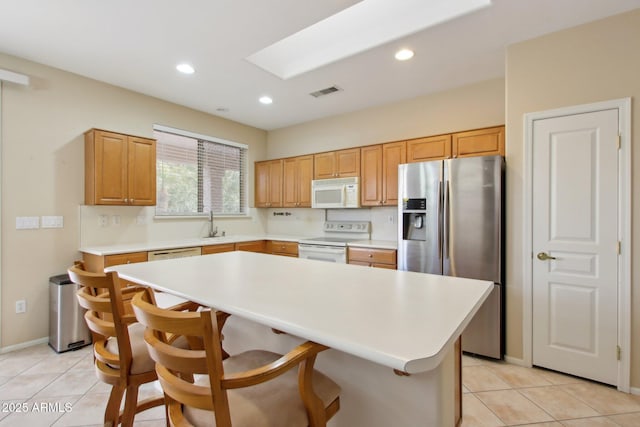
27	222
52	222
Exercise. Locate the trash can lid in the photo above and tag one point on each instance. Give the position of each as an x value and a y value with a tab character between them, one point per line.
60	279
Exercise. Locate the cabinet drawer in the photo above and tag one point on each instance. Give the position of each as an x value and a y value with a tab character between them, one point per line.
254	246
282	248
377	256
215	249
130	258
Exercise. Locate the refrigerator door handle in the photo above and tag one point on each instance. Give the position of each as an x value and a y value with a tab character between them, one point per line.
446	226
440	219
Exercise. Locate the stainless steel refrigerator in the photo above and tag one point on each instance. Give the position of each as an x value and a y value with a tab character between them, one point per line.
450	222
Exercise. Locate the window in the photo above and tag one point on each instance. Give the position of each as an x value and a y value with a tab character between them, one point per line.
197	174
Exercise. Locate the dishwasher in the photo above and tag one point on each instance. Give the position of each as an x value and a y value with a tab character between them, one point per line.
166	300
174	253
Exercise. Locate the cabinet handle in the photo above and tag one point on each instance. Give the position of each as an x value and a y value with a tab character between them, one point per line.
126	200
380	202
370	255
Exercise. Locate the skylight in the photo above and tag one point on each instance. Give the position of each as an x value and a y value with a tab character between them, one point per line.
365	25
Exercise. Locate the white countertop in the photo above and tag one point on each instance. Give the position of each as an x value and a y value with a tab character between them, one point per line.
403	320
103	250
182	243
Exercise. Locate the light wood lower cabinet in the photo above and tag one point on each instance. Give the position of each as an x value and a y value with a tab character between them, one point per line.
97	263
216	249
381	258
277	247
252	246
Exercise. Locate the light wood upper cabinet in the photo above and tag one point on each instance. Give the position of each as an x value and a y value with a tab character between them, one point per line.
297	177
371	173
337	164
119	169
268	184
393	154
429	148
482	142
379	172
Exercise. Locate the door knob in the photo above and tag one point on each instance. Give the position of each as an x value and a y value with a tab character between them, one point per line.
542	256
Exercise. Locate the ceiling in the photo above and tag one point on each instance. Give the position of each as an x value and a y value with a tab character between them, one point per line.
137	44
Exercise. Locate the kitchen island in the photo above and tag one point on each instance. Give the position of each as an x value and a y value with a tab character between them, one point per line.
394	335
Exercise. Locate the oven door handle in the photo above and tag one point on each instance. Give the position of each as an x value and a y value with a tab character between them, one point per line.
321	249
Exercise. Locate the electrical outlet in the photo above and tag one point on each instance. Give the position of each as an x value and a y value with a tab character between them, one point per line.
104	220
390	219
115	220
21	306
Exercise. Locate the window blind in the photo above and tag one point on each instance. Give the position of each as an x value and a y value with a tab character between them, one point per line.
197	174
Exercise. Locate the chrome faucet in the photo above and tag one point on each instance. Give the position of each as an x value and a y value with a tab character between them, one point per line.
212	232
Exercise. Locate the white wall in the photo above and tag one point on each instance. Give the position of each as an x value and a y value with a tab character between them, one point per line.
594	62
43	174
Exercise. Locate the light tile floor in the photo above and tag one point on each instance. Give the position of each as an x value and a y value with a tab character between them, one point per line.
500	394
41	388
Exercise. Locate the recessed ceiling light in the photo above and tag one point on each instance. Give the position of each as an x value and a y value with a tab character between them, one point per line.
185	68
265	100
404	54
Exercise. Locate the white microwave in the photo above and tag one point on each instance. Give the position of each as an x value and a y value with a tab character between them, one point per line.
335	193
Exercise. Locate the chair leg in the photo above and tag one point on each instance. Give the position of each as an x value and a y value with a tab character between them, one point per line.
112	411
130	406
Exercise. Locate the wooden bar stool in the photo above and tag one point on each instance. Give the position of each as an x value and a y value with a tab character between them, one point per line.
253	389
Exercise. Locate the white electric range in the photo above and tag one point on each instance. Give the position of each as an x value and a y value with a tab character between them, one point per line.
332	246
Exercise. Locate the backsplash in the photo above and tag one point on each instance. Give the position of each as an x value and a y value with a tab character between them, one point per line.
308	222
110	225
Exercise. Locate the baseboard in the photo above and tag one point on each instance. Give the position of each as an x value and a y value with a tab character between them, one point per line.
634	390
10	348
515	361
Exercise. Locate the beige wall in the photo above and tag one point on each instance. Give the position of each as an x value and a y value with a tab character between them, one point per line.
469	107
42	173
594	62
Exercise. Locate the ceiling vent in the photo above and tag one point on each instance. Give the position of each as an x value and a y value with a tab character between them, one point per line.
325	91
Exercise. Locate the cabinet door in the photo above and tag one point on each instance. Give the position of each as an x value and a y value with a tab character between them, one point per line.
324	165
142	171
348	162
110	168
305	176
261	188
252	246
482	142
371	167
216	249
289	183
268	184
431	148
393	154
275	183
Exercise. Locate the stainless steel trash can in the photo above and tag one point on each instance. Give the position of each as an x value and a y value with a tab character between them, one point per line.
67	327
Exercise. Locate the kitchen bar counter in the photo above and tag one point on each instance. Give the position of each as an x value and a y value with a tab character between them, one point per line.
376	321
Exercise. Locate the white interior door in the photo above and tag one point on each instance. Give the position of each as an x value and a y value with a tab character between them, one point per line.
575	244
